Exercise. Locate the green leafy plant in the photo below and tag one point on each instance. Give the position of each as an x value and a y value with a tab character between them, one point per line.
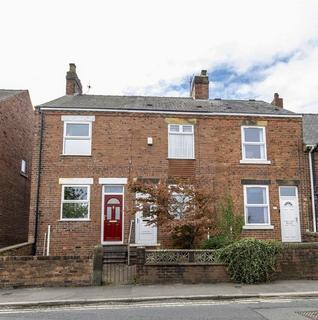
251	260
216	242
228	227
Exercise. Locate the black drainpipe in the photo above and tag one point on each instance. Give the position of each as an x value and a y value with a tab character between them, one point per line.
38	183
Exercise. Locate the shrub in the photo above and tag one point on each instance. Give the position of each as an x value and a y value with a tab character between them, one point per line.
251	260
228	227
216	242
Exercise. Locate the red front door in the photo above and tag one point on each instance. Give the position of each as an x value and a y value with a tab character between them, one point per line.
113	217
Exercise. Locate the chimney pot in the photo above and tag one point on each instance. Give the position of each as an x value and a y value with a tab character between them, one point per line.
200	86
72	67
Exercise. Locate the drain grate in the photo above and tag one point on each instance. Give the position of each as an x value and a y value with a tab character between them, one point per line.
309	314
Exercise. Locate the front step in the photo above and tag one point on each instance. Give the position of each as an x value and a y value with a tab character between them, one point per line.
118	255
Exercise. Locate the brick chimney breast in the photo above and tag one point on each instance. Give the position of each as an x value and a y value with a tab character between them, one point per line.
200	86
73	83
277	101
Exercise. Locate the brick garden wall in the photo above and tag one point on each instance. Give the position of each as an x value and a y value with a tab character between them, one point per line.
181	273
45	271
299	261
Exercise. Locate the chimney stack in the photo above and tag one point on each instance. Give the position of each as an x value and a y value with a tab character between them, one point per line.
73	83
200	86
278	102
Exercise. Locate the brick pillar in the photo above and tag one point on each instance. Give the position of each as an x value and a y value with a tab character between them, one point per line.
98	265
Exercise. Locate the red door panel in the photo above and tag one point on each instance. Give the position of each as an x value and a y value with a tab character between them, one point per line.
113	217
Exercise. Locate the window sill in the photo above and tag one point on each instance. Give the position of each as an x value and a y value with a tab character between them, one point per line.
74	220
258	227
24	175
181	158
255	162
75	155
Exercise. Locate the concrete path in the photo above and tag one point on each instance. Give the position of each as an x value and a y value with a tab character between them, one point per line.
139	293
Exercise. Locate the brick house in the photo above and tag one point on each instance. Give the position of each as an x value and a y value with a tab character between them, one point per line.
88	146
310	136
16	133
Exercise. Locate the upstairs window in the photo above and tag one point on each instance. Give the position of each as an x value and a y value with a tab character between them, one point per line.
77	138
75	202
180	141
254	144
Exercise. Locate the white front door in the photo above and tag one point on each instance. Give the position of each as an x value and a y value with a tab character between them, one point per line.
289	214
145	234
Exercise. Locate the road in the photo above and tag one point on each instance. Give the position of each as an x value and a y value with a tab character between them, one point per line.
278	309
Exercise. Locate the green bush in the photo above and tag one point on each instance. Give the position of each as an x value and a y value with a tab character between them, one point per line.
251	260
216	242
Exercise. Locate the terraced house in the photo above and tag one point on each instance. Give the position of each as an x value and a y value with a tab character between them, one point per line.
88	146
16	133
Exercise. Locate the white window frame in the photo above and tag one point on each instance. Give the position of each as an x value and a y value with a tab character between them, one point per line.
75	201
24	167
264	143
89	137
257	225
180	132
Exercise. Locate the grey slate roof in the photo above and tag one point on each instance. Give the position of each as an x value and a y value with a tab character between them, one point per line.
166	104
310	129
4	93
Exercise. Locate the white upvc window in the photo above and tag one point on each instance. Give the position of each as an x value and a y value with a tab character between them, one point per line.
77	138
24	167
180	141
256	205
254	144
75	202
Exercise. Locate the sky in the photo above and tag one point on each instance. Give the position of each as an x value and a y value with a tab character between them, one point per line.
251	48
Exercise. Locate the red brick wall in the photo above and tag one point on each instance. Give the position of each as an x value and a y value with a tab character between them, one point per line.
119	149
45	271
299	262
16	132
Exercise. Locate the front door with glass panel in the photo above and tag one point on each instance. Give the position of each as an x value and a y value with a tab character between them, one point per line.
113	212
289	214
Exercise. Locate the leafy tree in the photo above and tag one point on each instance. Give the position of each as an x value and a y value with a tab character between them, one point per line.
183	210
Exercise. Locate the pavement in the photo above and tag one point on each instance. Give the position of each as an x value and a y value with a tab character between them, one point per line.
42	297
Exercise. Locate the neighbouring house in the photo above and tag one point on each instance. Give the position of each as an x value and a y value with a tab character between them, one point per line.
88	146
16	133
310	136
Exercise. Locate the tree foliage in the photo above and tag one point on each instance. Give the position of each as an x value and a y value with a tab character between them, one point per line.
185	211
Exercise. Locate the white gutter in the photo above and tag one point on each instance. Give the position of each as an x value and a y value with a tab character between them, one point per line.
312	187
176	112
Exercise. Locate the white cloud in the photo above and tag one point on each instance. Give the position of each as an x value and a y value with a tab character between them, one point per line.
143	47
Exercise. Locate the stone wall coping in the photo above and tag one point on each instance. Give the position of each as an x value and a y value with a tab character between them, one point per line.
16	246
43	258
301	245
199	264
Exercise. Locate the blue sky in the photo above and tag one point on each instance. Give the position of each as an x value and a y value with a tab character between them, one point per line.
250	48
